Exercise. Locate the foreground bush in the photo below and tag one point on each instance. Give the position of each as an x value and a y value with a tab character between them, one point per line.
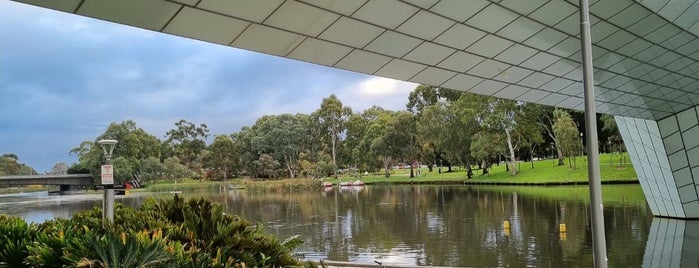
165	233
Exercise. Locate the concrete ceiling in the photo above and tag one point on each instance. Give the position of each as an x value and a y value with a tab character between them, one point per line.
646	53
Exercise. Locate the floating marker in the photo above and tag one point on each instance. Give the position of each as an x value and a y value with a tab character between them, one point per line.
506	224
562	227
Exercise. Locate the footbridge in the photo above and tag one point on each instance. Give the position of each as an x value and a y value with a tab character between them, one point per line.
645	57
69	179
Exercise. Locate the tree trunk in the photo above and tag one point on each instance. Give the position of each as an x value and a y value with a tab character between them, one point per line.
512	152
561	160
386	168
429	168
469	171
485	168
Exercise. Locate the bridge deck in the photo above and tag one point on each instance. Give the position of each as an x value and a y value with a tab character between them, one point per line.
66	179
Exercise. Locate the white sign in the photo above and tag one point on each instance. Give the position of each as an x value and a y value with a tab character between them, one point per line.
107	174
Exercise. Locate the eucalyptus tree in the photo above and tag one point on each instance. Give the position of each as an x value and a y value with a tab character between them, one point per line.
282	137
134	144
59	168
244	150
331	118
188	141
485	146
221	159
567	133
10	165
545	119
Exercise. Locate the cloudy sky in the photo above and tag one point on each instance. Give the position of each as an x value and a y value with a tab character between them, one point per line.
65	78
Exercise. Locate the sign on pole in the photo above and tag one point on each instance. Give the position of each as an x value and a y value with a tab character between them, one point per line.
107	174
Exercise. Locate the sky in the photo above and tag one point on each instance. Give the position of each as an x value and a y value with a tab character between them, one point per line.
65	78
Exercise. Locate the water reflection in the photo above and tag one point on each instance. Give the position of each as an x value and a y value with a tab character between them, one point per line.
427	225
672	243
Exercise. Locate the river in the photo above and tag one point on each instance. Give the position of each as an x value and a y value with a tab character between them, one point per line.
433	225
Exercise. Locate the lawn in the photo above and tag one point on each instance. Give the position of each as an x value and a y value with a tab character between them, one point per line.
544	172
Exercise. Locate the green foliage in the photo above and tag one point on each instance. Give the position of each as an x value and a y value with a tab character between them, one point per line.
10	165
165	233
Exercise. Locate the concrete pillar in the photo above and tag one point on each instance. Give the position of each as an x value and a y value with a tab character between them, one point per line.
665	155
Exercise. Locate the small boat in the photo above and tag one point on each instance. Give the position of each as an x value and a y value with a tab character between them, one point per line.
327	184
345	183
358	183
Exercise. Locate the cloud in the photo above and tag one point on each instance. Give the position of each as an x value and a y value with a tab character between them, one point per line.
68	77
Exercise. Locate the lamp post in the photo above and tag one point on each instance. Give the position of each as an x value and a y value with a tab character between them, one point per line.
107	176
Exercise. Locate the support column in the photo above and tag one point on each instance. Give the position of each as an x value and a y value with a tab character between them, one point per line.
665	155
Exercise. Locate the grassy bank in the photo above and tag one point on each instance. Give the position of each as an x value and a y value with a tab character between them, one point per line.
618	194
543	172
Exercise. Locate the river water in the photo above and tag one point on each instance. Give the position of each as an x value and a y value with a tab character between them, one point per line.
434	225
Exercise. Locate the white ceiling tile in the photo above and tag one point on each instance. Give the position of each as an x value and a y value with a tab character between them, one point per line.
574	89
312	23
489	46
511	92
523	7
540	61
545	39
556	85
433	76
634	47
153	15
566	48
654	5
533	95
689	17
256	11
629	16
601	30
457	9
663	33
553	12
460	36
616	40
351	32
400	69
562	67
570	102
375	12
606	9
487	87
429	53
516	54
570	25
492	18
460	61
344	7
425	25
426	4
67	6
673	9
362	61
207	26
608	60
488	68
552	99
513	74
267	40
462	82
521	29
536	79
319	51
647	25
393	44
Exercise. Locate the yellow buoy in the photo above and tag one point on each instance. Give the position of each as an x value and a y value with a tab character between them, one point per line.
506	224
562	227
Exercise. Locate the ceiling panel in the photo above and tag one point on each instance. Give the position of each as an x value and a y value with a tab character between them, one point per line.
460	36
312	23
375	12
344	7
363	61
459	10
256	11
425	25
319	51
516	54
488	68
400	69
511	92
513	74
492	18
490	45
429	53
462	82
152	15
487	87
351	32
553	12
203	25
461	61
393	44
268	40
433	76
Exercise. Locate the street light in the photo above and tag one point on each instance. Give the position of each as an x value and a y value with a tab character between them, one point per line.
107	176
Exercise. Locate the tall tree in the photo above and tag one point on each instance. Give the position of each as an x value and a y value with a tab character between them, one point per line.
568	136
221	160
331	118
282	137
59	168
188	141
